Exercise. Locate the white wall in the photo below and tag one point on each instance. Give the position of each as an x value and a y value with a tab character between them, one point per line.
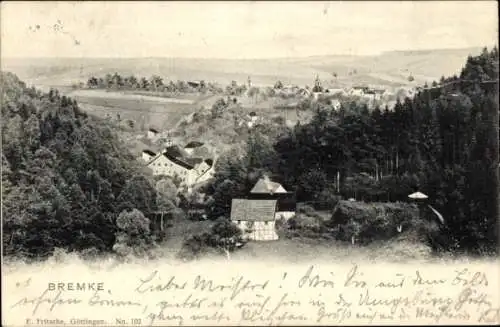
261	230
163	166
146	157
206	175
280	190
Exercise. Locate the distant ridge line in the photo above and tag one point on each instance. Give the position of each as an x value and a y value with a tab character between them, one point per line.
402	51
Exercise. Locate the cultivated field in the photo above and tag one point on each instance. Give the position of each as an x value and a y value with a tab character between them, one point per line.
146	111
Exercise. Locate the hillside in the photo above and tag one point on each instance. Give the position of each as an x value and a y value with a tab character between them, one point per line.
390	68
66	177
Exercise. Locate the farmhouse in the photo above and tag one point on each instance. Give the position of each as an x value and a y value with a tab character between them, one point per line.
147	155
255	218
152	133
171	162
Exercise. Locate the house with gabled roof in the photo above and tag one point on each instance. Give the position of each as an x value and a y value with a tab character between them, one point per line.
174	163
266	186
256	214
255	218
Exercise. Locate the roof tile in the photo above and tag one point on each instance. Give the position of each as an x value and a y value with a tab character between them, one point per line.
253	210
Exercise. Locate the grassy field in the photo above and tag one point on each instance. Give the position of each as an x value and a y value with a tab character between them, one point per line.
148	111
302	250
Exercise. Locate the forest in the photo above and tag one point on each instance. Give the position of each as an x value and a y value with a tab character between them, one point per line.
443	142
67	180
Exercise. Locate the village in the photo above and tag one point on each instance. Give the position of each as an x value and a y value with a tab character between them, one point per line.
191	163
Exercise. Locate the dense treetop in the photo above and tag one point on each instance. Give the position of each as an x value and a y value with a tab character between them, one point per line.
65	174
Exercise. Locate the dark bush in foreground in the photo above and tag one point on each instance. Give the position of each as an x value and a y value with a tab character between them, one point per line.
224	236
360	222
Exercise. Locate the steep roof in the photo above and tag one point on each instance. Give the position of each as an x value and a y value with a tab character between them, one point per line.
193	161
178	156
176	151
253	210
151	153
178	161
264	185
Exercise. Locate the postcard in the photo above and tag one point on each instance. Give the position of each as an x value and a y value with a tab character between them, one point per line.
250	163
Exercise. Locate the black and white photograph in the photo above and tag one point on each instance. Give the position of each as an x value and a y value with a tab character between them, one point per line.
255	163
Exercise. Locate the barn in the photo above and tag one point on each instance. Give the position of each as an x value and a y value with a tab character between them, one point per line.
255	218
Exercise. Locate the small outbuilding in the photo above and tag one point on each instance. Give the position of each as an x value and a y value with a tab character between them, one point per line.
255	218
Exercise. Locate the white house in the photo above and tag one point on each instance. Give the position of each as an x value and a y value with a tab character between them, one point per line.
357	91
152	133
147	155
255	218
170	162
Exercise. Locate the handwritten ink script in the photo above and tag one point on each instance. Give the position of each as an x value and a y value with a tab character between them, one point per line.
255	295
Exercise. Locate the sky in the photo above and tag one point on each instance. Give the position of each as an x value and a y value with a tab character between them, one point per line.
241	30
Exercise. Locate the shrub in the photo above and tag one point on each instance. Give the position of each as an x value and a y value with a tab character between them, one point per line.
132	223
133	233
305	208
327	200
368	222
224	236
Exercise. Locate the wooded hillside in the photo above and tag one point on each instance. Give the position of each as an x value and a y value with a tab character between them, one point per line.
65	176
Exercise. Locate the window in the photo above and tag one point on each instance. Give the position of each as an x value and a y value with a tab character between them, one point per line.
266	222
239	221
